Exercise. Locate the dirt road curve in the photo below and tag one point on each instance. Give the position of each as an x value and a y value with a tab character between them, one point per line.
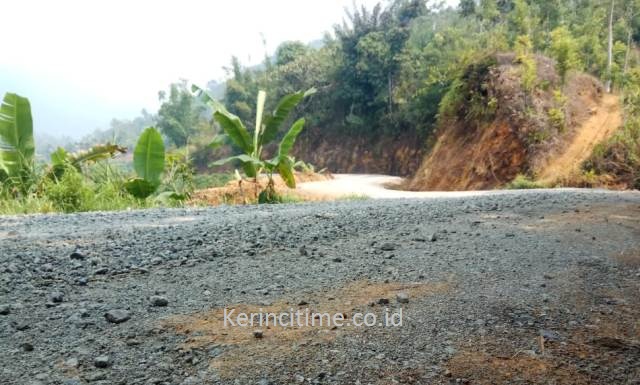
375	187
527	287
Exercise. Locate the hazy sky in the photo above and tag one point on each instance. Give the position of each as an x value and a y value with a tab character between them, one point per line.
84	62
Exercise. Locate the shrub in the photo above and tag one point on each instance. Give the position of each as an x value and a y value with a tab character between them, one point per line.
69	193
522	182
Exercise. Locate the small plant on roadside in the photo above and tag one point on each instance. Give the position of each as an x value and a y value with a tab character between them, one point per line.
523	182
265	131
70	193
148	163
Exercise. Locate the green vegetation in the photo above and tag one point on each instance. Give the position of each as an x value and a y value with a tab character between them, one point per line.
148	162
265	131
17	147
84	180
522	182
619	157
398	69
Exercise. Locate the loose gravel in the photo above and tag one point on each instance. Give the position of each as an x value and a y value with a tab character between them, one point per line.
533	287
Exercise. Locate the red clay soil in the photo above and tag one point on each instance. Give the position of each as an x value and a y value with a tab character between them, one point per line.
520	138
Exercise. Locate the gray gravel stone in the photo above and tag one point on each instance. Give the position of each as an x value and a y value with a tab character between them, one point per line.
117	316
102	362
77	256
402	297
159	301
56	297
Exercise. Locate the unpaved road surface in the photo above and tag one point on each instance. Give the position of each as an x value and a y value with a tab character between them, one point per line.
375	187
533	287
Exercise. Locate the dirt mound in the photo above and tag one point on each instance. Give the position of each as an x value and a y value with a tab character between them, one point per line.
246	191
491	129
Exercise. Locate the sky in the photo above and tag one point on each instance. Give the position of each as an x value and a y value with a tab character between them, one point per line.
82	62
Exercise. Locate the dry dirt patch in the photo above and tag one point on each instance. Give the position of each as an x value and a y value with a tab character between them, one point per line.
243	349
585	354
244	192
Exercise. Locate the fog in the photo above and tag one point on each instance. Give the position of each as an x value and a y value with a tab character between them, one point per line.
83	63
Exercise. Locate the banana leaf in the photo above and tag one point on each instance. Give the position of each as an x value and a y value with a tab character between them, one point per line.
17	146
149	156
233	127
281	113
140	188
290	138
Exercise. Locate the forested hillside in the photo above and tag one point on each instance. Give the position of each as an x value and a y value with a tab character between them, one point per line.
385	75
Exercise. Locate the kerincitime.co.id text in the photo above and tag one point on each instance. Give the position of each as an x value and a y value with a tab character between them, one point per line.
302	318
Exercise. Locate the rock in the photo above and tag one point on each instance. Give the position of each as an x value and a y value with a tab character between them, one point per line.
102	362
383	301
434	237
47	267
77	256
402	297
5	309
549	335
159	301
258	333
72	362
117	316
303	303
56	297
101	271
337	259
26	346
303	251
82	281
95	261
387	246
21	326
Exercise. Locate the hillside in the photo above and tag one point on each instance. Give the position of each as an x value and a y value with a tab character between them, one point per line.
492	130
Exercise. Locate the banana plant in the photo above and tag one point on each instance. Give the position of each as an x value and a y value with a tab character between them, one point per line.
17	146
265	131
148	163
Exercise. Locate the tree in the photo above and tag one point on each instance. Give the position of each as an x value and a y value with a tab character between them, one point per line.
563	49
467	7
610	49
179	116
290	51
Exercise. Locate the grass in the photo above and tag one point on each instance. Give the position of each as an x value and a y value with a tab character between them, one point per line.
204	181
522	182
354	197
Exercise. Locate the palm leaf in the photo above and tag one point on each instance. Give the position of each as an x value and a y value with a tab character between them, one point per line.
148	156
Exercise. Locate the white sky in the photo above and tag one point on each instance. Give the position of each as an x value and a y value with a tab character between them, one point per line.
83	62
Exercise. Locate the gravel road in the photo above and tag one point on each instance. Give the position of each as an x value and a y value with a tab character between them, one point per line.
514	288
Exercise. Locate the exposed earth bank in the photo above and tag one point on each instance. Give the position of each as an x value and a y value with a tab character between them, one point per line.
526	287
